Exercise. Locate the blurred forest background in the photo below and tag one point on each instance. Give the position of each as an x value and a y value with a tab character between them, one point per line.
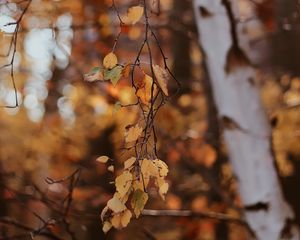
51	187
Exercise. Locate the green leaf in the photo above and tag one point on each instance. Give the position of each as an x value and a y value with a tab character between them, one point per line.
95	69
138	201
113	75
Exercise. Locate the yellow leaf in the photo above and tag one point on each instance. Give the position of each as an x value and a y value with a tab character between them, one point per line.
163	189
134	14
138	201
133	133
162	77
121	220
129	162
145	89
106	226
162	167
123	183
148	169
116	205
110	60
116	221
111	168
102	159
125	218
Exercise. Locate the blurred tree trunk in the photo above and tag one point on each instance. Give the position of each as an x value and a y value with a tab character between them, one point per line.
286	51
182	62
246	130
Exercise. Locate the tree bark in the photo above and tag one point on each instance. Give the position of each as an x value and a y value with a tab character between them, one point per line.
246	130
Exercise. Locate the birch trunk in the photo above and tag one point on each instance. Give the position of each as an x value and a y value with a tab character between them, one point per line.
246	130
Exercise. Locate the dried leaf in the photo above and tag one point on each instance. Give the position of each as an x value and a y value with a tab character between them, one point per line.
116	205
102	159
96	74
121	220
163	189
133	133
162	77
106	226
126	70
129	162
134	14
110	60
145	89
111	168
125	219
123	183
162	167
138	201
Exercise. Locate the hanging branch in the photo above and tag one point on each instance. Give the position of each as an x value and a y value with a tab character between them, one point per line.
13	48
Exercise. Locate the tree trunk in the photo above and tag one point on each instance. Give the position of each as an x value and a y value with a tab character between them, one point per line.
246	130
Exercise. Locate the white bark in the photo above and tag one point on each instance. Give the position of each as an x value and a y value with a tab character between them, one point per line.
246	130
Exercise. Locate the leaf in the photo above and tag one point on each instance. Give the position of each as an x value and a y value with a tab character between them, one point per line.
129	162
133	133
110	60
134	14
162	167
102	159
113	75
106	226
162	77
111	168
145	88
125	219
126	70
138	201
121	220
163	189
116	205
123	183
96	74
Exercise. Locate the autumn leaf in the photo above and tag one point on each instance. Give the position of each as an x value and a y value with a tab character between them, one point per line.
163	189
138	201
110	60
96	74
162	167
134	14
111	168
121	220
102	159
113	75
129	162
145	89
133	133
106	226
126	70
123	183
162	77
116	205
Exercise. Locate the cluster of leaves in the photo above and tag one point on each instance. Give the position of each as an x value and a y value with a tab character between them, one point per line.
131	186
144	167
